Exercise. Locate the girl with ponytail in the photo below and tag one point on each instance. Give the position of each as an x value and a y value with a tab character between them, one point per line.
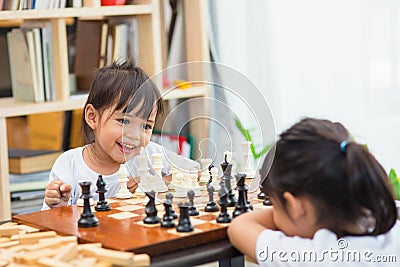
332	205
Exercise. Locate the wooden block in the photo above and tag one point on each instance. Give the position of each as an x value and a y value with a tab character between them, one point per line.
9	231
34	237
27	228
81	247
34	256
4	239
18	248
3	263
120	258
51	262
53	242
141	260
67	252
60	239
9	244
85	261
8	224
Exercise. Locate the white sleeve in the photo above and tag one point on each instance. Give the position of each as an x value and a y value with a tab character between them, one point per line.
274	248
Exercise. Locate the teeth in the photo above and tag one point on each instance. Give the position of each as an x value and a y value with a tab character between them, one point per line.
128	146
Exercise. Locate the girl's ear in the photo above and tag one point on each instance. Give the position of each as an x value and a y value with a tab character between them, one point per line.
294	205
91	116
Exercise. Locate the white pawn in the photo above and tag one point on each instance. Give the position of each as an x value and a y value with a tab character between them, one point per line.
173	182
123	179
214	179
205	177
247	164
194	184
180	191
79	202
144	174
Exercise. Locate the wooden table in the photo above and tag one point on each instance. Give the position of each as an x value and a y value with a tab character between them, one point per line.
206	244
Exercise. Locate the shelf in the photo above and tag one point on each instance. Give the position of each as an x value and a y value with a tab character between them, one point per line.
76	12
196	91
11	108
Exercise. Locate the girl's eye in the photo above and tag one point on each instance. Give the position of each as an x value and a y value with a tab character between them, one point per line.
147	126
123	121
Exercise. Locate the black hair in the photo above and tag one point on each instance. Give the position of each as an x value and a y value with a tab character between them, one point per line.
121	86
342	183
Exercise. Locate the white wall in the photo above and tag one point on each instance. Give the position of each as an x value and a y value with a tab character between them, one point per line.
337	59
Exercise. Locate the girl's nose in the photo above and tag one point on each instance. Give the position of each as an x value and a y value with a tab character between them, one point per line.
133	132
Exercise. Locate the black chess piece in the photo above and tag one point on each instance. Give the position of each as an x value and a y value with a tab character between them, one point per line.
168	218
184	224
102	204
192	209
224	216
267	202
87	217
151	210
169	197
243	205
211	205
209	172
261	195
231	198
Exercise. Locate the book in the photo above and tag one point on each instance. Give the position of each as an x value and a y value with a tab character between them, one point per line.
21	66
31	160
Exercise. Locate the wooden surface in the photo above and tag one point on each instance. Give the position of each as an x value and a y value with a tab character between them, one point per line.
126	234
130	234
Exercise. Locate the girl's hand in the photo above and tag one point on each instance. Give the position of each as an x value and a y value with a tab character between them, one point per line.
57	194
132	185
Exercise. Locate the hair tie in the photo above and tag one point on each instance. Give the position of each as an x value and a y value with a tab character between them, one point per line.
343	146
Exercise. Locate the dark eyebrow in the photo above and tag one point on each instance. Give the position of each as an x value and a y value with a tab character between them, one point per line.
152	121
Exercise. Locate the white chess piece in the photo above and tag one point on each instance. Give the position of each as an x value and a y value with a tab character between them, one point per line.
205	176
180	191
159	184
214	179
247	164
194	184
143	169
123	179
79	202
173	182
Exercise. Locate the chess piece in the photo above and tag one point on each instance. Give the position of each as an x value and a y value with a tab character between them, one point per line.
211	205
261	195
180	190
123	179
151	210
204	163
224	216
173	171
184	224
267	202
231	198
192	209
194	184
214	178
143	169
102	204
168	218
87	217
243	205
247	164
169	198
159	184
79	202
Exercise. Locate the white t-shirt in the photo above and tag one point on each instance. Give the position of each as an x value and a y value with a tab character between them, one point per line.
71	168
274	248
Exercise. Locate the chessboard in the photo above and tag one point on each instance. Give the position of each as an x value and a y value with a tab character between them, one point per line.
122	227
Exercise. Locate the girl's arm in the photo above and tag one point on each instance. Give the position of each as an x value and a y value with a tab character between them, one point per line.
245	229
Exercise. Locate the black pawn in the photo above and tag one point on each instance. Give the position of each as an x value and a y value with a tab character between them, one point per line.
184	224
267	202
243	205
211	205
151	210
102	204
169	197
87	218
192	209
168	218
224	216
261	195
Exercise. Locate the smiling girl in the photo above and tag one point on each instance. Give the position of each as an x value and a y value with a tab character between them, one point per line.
117	122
